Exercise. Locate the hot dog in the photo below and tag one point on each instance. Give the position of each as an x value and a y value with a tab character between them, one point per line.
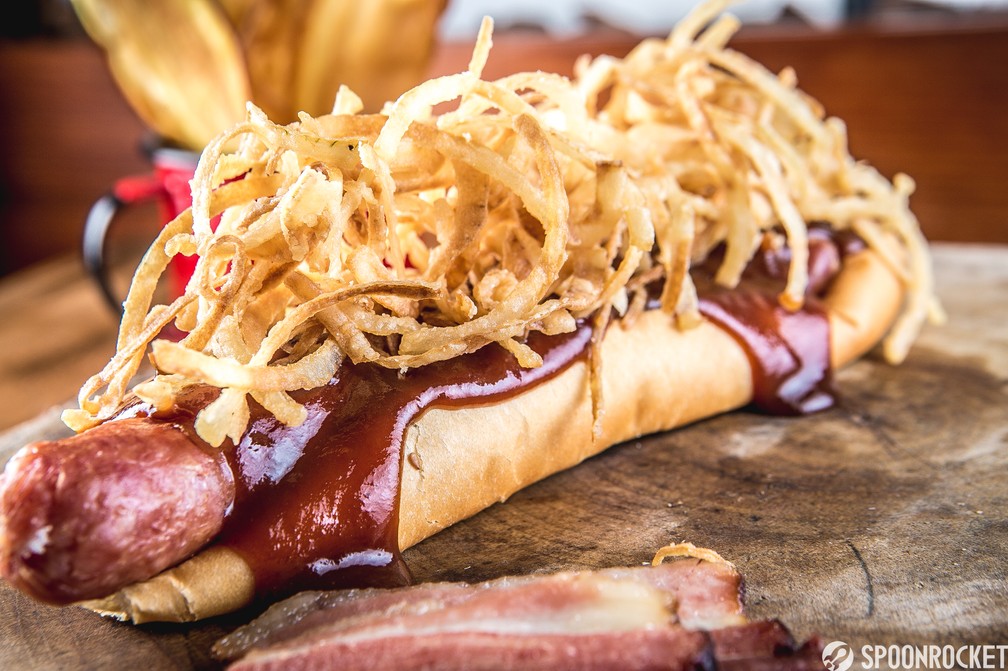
457	473
400	319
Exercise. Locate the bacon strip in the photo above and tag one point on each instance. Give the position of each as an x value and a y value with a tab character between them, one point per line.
682	615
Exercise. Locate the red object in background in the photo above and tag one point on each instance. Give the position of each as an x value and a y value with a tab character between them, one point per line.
174	173
168	185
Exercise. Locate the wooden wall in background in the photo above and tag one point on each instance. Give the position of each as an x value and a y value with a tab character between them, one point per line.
931	101
65	135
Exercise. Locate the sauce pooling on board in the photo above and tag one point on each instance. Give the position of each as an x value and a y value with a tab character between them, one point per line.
317	505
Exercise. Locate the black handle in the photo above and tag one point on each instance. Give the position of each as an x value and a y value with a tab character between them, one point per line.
96	226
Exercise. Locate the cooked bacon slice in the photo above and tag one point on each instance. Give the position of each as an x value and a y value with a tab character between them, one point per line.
680	615
763	646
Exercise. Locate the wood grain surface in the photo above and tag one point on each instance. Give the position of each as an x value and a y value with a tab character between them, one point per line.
56	332
882	521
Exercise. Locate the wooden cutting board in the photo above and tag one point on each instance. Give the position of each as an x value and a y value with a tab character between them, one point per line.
882	521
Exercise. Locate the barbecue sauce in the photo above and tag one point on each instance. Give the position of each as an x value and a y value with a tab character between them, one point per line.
788	351
316	505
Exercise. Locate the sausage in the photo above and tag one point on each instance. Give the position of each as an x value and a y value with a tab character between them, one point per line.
81	517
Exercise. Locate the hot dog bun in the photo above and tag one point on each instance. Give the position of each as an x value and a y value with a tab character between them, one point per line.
474	457
467	459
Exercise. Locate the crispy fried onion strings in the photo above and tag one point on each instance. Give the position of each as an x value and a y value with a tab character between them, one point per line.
411	237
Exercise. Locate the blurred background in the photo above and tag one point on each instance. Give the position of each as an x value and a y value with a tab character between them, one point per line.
923	87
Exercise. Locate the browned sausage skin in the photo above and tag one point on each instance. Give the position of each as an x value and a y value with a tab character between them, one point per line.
83	516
